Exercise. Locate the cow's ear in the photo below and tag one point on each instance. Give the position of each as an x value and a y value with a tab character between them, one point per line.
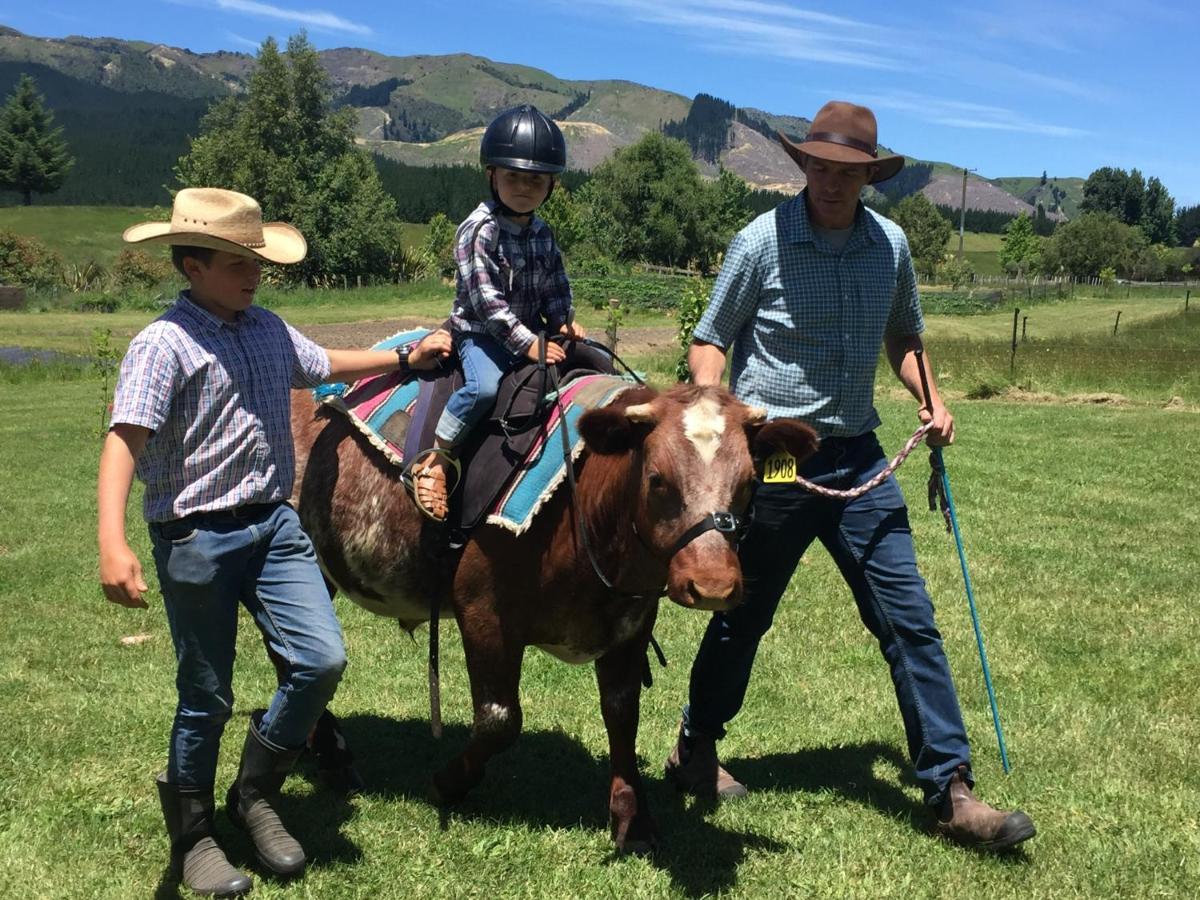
790	435
609	430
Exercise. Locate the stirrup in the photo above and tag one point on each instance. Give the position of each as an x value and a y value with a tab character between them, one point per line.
412	474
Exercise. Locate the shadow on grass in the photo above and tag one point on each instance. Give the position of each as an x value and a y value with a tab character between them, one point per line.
547	779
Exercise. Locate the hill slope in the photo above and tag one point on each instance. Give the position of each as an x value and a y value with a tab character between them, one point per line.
128	107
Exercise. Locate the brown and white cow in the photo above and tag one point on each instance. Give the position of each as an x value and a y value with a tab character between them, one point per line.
655	465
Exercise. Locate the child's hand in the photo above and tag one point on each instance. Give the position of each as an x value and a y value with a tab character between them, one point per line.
554	352
121	578
573	330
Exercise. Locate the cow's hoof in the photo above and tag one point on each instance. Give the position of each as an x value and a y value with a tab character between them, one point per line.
444	791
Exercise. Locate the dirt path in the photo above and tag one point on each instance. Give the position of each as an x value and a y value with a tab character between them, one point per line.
631	341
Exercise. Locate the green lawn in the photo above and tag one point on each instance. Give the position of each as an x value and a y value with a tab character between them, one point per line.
1080	526
83	234
79	234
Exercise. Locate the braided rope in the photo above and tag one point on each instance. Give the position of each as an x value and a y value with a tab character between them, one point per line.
879	479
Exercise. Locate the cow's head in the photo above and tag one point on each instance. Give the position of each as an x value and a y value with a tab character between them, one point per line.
697	451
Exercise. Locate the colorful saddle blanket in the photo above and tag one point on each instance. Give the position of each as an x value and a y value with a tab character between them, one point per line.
507	474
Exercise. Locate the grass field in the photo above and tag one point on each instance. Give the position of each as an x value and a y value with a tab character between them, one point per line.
81	234
1080	526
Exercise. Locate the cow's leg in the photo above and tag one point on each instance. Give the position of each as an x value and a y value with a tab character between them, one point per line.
619	675
494	669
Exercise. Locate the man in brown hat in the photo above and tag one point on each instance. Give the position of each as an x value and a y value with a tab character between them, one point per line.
806	297
202	414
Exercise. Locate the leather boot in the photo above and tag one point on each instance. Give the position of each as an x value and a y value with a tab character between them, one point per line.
970	821
196	861
252	798
695	769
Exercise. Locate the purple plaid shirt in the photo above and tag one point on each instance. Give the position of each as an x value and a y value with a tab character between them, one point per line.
511	280
216	395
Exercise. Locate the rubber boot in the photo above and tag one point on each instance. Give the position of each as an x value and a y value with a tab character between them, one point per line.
252	798
197	862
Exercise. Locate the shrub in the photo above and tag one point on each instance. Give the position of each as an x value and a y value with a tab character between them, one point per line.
413	264
27	262
136	268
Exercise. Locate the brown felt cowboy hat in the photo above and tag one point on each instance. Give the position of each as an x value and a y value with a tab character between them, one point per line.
222	220
844	133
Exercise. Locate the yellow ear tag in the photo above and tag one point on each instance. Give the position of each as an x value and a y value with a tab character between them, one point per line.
779	468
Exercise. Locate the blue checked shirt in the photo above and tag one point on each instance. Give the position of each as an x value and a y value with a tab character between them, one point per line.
509	280
216	395
807	322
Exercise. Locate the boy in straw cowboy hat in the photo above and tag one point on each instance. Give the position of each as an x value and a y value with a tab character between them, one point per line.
201	415
807	296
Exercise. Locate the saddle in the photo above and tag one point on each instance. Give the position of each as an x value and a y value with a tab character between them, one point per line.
399	415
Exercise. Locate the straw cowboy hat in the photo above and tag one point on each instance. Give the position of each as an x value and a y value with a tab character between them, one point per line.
222	220
844	133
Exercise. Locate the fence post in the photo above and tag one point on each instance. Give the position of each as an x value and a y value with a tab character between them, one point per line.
1024	322
1117	324
358	278
614	315
1012	360
1186	301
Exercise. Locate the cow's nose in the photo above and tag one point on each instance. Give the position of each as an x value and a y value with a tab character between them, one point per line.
714	594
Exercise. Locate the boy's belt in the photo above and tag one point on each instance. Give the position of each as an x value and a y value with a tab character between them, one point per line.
250	512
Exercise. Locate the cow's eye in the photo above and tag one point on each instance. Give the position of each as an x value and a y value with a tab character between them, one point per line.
658	484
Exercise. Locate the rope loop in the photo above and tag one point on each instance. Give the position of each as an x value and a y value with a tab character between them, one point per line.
884	474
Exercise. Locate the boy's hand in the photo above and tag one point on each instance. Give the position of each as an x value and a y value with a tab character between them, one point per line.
121	578
554	352
431	350
573	330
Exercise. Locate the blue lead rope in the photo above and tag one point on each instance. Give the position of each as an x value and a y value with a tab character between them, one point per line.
940	480
939	471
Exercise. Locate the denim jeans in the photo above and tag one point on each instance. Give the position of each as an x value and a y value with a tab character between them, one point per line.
870	541
209	564
484	363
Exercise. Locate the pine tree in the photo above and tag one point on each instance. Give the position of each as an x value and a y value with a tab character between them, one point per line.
33	155
284	145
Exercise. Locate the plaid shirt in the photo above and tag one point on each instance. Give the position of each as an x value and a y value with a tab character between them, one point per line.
216	396
511	281
807	322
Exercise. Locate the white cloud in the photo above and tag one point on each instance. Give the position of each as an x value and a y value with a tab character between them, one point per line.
771	29
243	41
963	114
317	19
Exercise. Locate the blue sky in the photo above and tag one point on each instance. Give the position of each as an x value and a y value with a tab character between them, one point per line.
1009	88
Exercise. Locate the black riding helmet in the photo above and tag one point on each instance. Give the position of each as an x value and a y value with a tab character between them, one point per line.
524	138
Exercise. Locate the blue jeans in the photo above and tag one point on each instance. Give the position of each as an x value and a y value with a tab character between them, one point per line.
260	558
870	541
484	363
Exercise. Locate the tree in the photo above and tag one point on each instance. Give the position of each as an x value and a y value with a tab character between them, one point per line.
283	144
1158	214
1020	249
648	202
927	231
1092	242
1104	192
33	155
439	244
1187	225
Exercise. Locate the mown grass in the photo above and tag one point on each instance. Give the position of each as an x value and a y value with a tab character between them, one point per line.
81	234
1080	527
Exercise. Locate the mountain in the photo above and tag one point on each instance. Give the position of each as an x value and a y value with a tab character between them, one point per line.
128	107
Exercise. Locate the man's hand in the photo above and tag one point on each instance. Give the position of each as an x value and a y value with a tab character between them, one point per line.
942	432
430	350
554	352
573	330
121	577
